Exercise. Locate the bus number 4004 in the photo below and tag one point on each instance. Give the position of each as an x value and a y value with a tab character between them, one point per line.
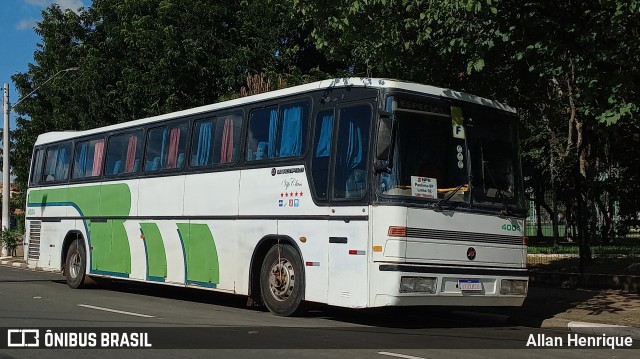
509	227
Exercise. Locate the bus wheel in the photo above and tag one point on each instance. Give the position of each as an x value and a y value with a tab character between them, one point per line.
75	264
282	280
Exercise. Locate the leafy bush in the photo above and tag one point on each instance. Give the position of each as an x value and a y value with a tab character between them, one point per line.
10	239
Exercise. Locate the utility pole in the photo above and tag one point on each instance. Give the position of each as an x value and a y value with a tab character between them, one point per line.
6	179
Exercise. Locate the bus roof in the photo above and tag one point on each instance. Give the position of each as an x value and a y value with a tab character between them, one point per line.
319	85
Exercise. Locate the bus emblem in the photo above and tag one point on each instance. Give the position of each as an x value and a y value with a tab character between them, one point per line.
273	171
471	253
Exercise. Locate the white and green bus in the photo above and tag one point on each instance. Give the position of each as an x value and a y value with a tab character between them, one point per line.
351	192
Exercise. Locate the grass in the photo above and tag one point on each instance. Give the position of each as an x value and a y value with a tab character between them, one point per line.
563	264
633	250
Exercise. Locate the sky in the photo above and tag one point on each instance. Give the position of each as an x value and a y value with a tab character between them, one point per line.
18	40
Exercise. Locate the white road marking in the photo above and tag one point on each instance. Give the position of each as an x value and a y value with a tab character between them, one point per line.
115	311
399	355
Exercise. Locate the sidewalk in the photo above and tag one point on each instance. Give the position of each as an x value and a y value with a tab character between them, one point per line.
580	310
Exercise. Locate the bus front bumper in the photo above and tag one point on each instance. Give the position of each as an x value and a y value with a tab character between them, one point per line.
411	285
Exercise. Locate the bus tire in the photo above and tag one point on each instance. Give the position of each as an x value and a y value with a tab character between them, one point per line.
75	264
282	281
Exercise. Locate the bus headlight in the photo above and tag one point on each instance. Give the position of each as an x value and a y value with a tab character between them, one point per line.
418	284
513	286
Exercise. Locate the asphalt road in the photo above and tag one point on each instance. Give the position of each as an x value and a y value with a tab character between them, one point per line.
179	319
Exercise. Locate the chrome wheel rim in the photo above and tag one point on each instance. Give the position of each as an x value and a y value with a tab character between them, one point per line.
74	265
281	279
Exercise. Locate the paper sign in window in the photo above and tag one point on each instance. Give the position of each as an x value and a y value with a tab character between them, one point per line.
424	187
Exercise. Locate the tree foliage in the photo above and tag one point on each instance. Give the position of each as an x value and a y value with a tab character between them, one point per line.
569	67
142	58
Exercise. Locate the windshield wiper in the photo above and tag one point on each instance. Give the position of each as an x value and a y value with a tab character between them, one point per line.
507	210
438	205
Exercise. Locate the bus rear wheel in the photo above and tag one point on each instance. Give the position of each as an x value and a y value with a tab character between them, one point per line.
75	264
282	280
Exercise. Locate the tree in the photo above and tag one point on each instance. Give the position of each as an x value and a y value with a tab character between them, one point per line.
142	58
571	68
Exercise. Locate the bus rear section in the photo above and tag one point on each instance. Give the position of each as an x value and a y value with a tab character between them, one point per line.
424	257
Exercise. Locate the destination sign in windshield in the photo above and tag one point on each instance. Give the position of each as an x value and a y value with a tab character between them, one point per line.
411	105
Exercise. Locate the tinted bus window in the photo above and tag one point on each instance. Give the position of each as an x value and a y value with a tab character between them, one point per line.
36	169
350	173
277	133
166	147
216	141
57	162
124	154
322	152
88	158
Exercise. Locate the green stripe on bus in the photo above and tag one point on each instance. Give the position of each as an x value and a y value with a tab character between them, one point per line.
201	256
111	252
156	255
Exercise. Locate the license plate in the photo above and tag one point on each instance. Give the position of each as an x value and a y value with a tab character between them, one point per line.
469	284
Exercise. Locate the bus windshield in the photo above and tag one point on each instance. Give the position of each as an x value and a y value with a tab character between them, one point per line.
453	155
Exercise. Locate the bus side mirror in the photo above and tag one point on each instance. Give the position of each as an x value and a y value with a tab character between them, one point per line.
384	139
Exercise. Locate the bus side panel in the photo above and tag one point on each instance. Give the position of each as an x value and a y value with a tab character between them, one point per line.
212	194
391	249
266	195
215	195
85	202
349	251
159	197
110	240
218	244
165	252
248	238
314	254
51	204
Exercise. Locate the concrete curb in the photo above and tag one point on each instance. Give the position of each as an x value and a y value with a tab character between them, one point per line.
13	262
591	328
600	329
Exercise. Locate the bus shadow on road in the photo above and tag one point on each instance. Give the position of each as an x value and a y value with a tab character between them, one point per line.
414	317
388	317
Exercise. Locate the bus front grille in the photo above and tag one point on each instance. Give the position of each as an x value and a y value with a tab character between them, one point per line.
35	228
434	234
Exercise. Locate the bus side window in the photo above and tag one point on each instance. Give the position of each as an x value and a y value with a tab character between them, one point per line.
350	175
58	158
36	170
321	153
216	141
277	133
88	159
166	147
123	154
202	145
263	126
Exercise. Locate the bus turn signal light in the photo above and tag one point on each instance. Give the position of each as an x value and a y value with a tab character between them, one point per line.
397	231
377	248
